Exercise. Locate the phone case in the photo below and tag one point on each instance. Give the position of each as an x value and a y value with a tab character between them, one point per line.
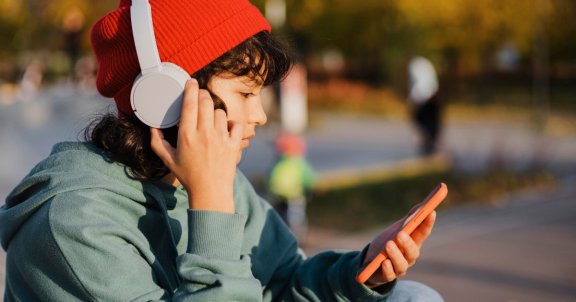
414	218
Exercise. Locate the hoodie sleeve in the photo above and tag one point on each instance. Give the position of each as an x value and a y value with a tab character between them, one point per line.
78	249
327	276
282	267
213	269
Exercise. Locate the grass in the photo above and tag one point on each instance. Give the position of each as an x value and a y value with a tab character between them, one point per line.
375	204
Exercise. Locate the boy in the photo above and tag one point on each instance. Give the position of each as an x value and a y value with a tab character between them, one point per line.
139	213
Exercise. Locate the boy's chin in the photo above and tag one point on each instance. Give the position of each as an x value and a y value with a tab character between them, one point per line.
240	155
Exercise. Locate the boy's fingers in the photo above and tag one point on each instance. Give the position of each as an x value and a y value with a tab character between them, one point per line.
424	229
221	121
161	147
236	131
410	249
395	256
205	110
388	270
189	114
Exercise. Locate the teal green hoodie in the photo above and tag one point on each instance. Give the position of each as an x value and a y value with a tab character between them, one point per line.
77	228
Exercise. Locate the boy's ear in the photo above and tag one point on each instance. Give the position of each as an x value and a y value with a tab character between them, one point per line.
218	102
203	84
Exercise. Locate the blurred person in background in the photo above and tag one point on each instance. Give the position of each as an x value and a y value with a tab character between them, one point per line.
137	213
425	103
290	182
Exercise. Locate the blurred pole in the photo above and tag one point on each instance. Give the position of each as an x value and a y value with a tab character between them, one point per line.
276	12
291	93
541	67
294	100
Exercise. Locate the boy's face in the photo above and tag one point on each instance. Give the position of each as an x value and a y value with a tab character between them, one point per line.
243	102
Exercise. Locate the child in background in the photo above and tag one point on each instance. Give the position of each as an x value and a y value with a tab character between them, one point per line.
290	181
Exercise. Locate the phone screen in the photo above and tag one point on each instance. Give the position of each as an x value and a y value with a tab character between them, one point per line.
409	218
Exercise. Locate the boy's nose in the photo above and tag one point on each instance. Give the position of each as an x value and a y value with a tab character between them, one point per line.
258	115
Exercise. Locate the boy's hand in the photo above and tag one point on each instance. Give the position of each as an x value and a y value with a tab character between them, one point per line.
207	151
402	250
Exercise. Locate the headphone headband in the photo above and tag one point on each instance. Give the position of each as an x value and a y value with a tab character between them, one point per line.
144	39
157	92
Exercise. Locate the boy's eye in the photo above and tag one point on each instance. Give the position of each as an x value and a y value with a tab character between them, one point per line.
246	94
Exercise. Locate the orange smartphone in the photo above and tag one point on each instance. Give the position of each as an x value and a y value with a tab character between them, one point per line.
414	218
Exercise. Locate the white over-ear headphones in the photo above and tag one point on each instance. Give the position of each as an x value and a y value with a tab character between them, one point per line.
157	92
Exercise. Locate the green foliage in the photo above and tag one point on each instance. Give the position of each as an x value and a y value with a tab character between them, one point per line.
37	24
378	37
369	205
373	205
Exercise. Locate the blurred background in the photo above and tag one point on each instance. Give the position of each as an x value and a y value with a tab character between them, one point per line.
503	85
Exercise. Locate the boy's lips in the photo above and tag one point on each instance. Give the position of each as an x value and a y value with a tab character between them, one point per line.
246	140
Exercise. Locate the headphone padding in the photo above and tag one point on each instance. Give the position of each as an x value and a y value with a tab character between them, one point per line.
156	97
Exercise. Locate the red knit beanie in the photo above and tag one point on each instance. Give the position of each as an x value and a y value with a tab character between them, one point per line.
189	33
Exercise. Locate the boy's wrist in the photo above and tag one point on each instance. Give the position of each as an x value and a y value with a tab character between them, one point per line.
219	201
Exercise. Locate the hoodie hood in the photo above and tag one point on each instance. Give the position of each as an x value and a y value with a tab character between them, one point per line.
70	166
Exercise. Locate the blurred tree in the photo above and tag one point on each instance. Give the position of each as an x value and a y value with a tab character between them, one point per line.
378	36
32	29
12	16
355	29
474	28
562	33
36	24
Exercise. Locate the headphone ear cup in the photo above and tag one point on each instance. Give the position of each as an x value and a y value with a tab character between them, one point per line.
156	97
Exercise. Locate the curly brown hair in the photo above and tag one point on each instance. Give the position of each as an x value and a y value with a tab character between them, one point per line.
127	140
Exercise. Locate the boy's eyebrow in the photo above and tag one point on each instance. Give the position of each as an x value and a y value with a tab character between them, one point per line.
253	81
